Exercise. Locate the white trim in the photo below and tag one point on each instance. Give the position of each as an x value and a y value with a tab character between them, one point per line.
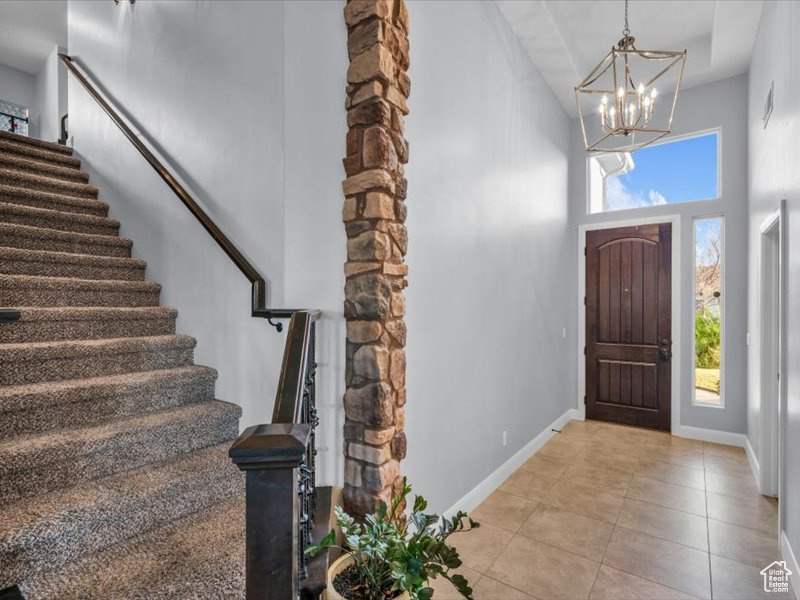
791	562
485	488
752	459
771	385
723	272
677	347
711	435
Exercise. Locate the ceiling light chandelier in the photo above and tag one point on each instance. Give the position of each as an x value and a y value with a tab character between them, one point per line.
629	98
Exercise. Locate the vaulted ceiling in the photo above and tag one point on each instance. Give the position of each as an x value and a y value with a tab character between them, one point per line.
566	39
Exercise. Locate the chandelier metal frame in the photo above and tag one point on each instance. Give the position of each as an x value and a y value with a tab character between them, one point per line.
632	105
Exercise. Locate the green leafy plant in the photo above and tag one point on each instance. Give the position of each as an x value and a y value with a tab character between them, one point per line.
707	339
393	553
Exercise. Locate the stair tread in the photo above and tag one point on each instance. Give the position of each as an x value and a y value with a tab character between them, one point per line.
57	215
40	407
25	140
74	283
49	169
80	438
69	313
8	252
32	394
49	350
38	181
98	516
15	192
72	236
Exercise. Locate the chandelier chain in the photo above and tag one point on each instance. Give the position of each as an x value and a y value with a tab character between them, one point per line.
626	32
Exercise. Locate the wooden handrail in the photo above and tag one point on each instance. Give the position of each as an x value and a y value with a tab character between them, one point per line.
299	347
259	293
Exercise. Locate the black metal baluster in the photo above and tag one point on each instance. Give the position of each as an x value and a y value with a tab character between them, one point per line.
307	475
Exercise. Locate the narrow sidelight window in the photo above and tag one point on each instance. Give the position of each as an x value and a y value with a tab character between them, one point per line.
708	311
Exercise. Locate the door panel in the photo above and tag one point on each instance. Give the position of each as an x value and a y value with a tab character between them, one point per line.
628	325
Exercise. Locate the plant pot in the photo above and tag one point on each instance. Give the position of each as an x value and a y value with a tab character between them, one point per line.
339	565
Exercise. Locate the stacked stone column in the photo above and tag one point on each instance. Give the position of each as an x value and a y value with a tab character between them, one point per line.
374	214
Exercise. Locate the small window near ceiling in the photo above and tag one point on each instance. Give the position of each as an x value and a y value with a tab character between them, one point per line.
678	170
708	311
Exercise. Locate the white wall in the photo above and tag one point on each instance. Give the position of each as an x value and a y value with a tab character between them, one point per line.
489	249
774	175
18	87
722	104
204	81
50	98
316	244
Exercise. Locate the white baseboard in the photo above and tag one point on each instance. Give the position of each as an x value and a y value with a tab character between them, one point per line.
711	435
485	488
791	563
753	460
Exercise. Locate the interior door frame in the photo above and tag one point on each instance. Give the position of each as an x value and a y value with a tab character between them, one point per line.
772	390
677	345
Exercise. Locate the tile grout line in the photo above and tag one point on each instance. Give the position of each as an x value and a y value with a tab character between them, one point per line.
708	529
600	488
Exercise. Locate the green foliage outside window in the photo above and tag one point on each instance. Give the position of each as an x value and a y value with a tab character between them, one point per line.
707	339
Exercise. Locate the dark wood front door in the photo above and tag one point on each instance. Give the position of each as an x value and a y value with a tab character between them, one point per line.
629	325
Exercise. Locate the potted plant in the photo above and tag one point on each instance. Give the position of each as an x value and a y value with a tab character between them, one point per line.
393	557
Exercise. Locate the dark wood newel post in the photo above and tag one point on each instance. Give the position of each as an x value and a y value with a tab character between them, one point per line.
271	456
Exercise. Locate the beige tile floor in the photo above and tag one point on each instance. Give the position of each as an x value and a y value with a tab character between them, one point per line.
605	511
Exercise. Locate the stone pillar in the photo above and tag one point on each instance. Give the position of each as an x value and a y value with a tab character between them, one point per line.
374	214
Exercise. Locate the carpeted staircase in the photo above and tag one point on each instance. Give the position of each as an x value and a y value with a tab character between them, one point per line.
114	476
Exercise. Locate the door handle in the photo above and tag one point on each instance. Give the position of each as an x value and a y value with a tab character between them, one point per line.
665	353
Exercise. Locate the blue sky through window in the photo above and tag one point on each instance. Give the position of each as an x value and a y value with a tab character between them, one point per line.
679	171
708	241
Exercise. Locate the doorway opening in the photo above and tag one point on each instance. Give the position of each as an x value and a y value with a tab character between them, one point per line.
772	394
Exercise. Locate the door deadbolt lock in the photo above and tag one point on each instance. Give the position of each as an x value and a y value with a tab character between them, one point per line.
665	353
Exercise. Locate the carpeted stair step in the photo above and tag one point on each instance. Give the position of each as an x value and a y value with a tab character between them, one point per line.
30	290
200	556
36	143
59	220
39	464
50	324
16	261
27	409
54	530
23	178
38	238
47	169
38	362
12	146
10	194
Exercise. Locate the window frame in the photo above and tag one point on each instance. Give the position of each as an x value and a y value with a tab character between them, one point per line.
666	140
723	312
